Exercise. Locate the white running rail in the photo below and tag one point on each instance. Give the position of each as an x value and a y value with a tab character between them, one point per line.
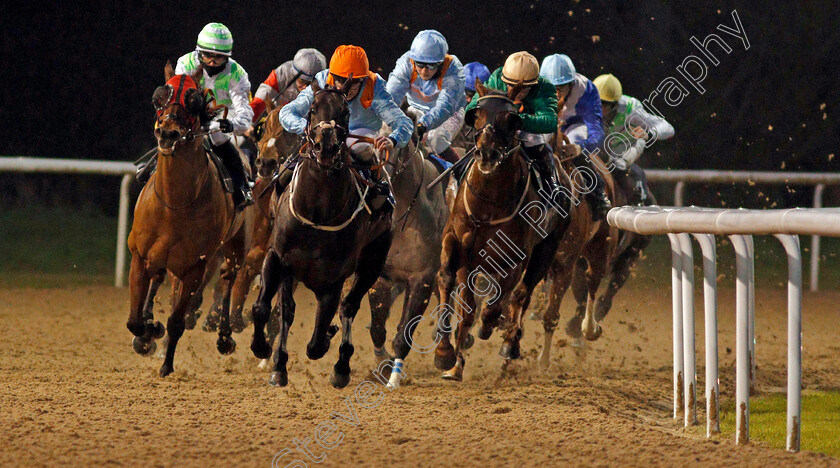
739	225
76	166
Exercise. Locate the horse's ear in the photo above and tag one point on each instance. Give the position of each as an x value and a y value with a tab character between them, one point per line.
345	88
194	101
479	88
168	71
513	91
269	106
315	86
197	75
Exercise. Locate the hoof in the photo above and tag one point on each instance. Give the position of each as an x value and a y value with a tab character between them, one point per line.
315	352
469	341
143	347
165	370
339	380
485	331
226	345
543	360
158	330
445	361
264	364
209	325
191	319
594	335
573	327
510	351
332	331
535	316
260	348
455	374
279	379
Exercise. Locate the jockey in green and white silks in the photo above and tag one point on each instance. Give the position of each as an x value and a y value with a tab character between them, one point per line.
432	81
629	127
229	83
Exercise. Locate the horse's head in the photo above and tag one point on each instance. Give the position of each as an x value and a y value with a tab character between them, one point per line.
275	145
329	123
496	119
179	105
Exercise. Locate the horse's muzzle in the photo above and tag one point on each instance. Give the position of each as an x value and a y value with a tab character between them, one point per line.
167	139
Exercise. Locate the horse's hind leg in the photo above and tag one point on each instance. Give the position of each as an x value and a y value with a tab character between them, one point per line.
225	343
580	290
371	262
541	259
445	357
597	269
253	262
559	278
190	282
619	275
381	300
286	304
418	294
269	283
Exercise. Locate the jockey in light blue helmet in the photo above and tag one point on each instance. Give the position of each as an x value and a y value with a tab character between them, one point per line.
432	81
472	71
579	107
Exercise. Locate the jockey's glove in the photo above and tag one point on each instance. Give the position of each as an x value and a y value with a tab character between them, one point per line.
225	126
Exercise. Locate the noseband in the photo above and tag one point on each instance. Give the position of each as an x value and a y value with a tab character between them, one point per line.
337	163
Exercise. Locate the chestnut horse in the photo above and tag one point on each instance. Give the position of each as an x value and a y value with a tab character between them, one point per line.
183	217
323	233
490	216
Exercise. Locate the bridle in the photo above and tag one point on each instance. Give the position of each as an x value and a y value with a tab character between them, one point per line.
510	107
307	151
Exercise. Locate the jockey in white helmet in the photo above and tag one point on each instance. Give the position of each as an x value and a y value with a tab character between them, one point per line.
285	82
229	83
432	81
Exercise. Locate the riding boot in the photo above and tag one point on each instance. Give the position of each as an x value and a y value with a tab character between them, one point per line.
597	197
543	162
382	191
229	155
144	172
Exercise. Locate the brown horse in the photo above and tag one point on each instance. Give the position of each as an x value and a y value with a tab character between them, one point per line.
274	146
490	234
588	252
182	218
323	233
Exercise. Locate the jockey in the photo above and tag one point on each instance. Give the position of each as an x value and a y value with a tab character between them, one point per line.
278	87
432	82
473	71
580	110
539	110
229	83
370	104
629	128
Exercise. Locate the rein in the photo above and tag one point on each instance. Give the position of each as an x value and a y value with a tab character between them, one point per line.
327	227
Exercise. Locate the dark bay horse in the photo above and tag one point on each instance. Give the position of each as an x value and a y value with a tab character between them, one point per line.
182	219
323	233
487	234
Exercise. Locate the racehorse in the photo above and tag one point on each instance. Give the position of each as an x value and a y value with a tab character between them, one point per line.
488	212
323	232
182	218
414	258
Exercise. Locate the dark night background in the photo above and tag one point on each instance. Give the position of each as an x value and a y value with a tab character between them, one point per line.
78	77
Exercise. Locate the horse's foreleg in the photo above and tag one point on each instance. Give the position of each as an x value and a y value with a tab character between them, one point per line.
225	343
286	304
619	275
466	308
371	261
143	288
381	298
324	331
269	283
445	356
189	284
590	327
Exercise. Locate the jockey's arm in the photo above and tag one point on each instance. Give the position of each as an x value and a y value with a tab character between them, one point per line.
398	81
589	109
657	127
452	89
390	113
292	115
267	91
240	114
544	102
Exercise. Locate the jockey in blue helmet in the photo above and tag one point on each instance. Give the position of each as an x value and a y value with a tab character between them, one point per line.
432	81
579	107
473	71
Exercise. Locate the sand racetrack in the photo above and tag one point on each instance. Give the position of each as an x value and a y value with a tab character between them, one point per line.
74	393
